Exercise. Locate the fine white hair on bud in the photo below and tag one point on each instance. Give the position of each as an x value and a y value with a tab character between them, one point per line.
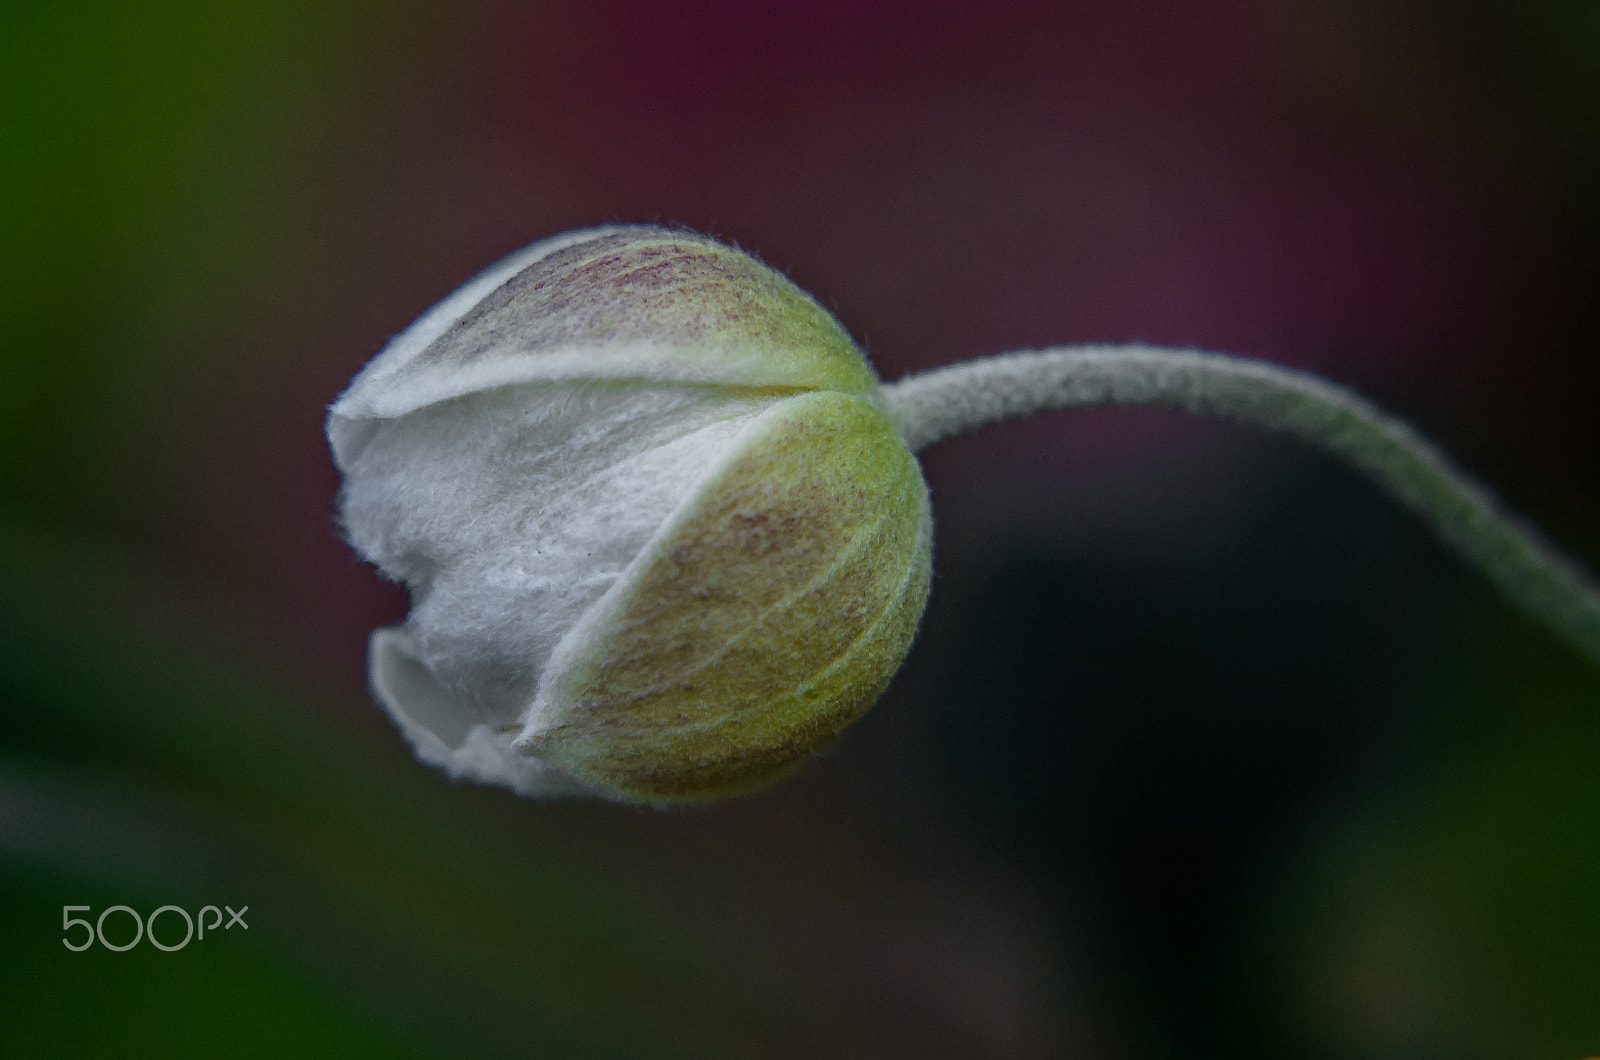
660	540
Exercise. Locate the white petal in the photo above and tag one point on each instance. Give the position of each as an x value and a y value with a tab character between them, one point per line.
373	393
436	725
509	513
628	303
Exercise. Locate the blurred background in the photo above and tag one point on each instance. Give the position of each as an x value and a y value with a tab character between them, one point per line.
1205	749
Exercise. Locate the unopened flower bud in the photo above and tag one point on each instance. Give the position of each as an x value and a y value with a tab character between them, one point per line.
660	539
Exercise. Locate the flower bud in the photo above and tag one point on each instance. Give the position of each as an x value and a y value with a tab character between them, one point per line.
661	541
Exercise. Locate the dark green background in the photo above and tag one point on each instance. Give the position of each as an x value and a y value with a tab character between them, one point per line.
1205	750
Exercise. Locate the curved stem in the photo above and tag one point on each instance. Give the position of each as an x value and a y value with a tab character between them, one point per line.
934	405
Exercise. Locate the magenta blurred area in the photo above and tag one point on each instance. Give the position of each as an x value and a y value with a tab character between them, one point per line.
1204	750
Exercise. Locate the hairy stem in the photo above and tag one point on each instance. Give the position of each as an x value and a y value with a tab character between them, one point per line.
934	405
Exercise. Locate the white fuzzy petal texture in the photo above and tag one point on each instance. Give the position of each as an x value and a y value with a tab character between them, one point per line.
443	735
508	514
380	389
